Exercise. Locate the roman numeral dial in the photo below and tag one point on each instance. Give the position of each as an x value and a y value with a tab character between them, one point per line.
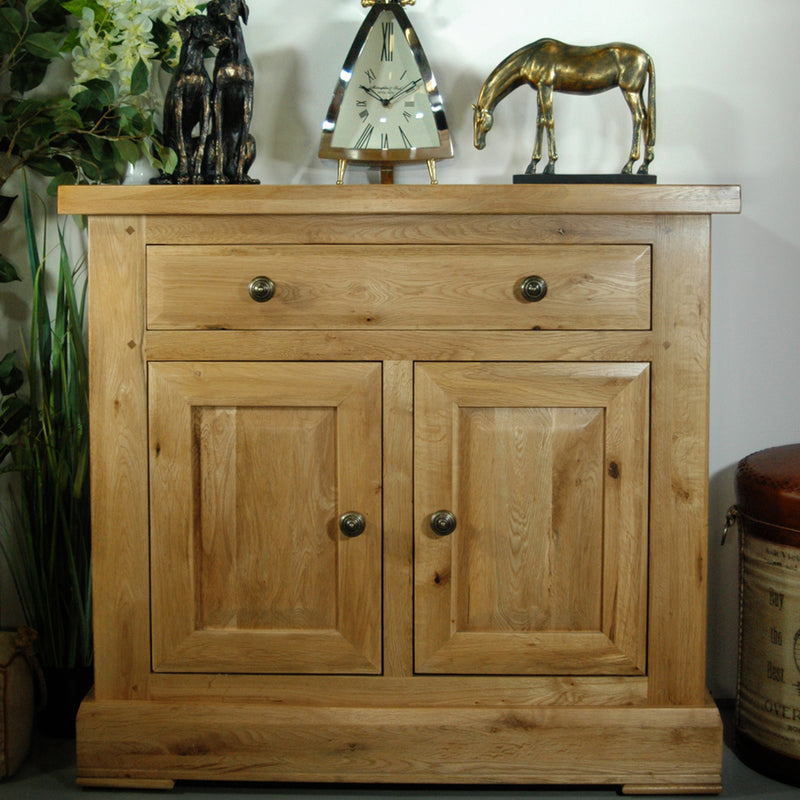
386	105
387	48
364	138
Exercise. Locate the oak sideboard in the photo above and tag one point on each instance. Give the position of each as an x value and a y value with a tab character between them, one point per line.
400	484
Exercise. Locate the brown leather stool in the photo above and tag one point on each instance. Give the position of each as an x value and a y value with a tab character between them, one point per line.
768	694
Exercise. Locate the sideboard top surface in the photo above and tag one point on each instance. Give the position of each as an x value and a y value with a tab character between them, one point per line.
400	199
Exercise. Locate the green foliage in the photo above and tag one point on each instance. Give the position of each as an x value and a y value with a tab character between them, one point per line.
89	137
45	436
86	138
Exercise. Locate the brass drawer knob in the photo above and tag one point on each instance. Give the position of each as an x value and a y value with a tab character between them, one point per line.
443	523
352	524
533	288
261	289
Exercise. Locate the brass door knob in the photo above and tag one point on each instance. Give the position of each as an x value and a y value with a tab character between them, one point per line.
261	289
352	524
443	523
533	288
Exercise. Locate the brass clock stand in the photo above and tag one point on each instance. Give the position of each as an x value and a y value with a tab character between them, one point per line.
387	172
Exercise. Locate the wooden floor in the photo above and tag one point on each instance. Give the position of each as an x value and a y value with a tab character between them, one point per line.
49	774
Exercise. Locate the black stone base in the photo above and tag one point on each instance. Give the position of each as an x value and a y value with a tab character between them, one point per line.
614	177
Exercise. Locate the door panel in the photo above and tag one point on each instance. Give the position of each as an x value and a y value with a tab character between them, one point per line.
239	589
545	468
251	466
513	466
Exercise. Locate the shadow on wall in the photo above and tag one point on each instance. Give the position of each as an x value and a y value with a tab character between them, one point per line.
723	588
284	141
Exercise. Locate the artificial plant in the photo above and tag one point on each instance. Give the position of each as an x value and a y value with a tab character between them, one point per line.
47	534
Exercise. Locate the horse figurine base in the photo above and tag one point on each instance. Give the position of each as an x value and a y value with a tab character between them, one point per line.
614	177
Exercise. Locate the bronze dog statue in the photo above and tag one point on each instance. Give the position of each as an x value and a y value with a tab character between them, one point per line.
188	100
233	149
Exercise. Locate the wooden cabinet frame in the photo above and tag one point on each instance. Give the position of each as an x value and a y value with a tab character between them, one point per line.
652	728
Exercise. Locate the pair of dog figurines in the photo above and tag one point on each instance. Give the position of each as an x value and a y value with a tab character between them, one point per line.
207	122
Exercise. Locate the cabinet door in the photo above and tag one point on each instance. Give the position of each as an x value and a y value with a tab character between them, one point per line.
251	467
545	467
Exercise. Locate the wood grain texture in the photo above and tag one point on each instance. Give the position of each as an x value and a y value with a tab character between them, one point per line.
118	460
401	345
663	746
412	691
249	574
441	199
398	519
545	467
398	228
531	499
575	459
371	286
679	462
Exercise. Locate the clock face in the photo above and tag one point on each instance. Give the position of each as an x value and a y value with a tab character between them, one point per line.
386	105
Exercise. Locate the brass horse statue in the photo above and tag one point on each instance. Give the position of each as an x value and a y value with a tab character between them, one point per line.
551	66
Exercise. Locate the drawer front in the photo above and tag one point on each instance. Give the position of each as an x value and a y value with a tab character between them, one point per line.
458	287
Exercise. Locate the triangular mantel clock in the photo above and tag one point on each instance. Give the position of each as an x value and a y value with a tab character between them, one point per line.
386	107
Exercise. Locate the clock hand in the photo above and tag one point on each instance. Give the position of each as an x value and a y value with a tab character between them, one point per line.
370	91
409	87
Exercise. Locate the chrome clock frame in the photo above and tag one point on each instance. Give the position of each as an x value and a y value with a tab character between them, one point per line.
376	155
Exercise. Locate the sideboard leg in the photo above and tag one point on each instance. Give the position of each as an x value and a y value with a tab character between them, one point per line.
671	788
125	783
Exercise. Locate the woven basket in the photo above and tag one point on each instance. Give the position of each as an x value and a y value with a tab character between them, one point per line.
16	710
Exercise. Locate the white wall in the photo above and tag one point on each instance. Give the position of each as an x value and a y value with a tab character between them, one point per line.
728	112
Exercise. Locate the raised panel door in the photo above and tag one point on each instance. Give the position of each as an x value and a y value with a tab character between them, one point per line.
251	467
545	467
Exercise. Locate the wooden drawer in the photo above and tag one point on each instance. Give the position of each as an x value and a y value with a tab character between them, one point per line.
478	287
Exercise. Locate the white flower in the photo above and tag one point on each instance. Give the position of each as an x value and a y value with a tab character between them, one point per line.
179	9
111	44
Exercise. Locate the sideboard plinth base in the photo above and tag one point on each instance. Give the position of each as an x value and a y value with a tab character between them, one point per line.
644	749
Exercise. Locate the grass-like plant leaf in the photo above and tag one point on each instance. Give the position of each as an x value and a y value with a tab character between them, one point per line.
47	532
